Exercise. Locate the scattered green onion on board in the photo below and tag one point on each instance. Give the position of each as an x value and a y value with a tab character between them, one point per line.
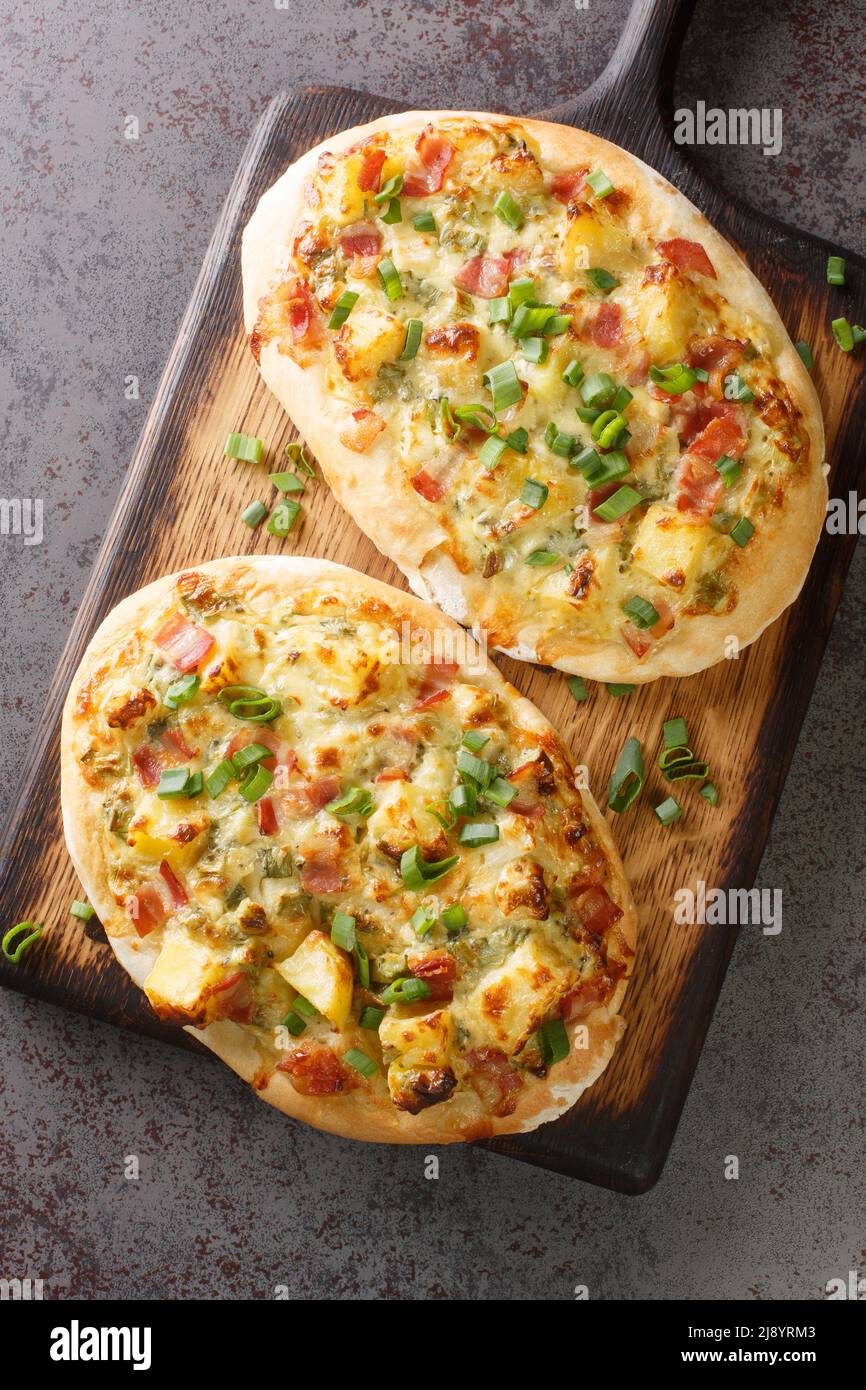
577	686
24	934
835	270
83	911
245	447
668	811
254	514
628	776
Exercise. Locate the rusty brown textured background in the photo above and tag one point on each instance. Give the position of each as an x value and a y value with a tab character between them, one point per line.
103	238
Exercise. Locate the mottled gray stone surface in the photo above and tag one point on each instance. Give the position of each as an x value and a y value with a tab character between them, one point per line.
102	241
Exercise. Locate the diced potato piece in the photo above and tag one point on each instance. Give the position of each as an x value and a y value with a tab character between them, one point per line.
401	819
666	315
669	547
184	972
156	842
321	972
368	338
511	1001
593	242
473	706
426	1038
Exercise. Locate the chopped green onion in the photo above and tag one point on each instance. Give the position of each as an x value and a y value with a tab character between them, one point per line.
294	1025
609	469
517	440
598	390
249	703
298	455
673	380
491	451
553	1041
390	278
506	208
500	792
622	501
499	310
858	333
539	558
422	921
599	183
21	929
558	441
343	308
180	690
303	1007
535	349
622	398
393	213
519	291
246	447
83	911
843	334
533	494
414	328
669	811
220	778
674	733
742	532
481	417
573	374
391	188
641	612
682	771
195	784
454	918
602	279
463	800
362	965
173	783
616	689
558	323
673	757
405	990
371	1018
287	482
586	458
710	793
588	414
835	270
476	769
477	833
424	222
729	469
628	776
361	1062
577	686
245	757
530	319
254	514
735	389
474	740
343	930
805	353
503	384
255	783
283	518
608	429
356	801
416	871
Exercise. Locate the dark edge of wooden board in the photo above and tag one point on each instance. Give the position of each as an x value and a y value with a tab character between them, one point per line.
628	1152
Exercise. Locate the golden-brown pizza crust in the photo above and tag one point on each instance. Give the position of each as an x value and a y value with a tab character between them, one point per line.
263	581
770	571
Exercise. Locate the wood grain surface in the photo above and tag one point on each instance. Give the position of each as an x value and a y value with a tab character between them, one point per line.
181	505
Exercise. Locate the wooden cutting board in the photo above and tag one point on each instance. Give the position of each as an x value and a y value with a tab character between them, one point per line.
181	505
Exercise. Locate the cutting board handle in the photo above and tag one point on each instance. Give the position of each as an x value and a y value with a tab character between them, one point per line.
629	101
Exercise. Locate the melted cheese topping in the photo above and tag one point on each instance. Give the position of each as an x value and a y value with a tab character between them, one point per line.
559	570
248	900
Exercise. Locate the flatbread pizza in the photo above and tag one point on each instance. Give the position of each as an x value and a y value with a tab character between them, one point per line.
544	385
324	834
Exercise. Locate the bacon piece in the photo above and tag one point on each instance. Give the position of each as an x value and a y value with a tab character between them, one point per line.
323	790
438	970
176	745
184	643
147	908
283	755
370	172
639	642
267	816
176	891
321	873
566	187
131	710
605	330
718	356
315	1071
362	427
699	483
233	998
532	810
427	487
436	684
692	427
361	243
148	765
595	910
393	774
485	276
700	486
426	174
494	1080
687	255
589	993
